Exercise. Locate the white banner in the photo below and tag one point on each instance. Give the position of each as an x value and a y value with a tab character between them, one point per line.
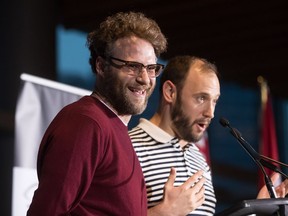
38	103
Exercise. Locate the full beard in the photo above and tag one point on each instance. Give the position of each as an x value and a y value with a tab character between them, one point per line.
182	125
117	96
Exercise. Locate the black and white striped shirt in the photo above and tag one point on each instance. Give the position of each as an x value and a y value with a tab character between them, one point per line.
157	152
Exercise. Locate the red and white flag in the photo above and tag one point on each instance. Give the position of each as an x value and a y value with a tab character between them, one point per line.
268	141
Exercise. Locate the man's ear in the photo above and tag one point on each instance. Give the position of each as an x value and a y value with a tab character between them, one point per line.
100	65
169	91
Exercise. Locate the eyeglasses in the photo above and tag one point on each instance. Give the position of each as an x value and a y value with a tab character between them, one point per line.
135	68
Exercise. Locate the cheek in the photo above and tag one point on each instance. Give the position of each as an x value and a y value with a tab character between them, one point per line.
188	106
191	110
123	78
153	83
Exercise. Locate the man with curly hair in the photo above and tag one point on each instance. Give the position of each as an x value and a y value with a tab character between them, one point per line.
86	163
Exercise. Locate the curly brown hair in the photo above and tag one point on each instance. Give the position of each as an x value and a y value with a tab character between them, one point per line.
124	24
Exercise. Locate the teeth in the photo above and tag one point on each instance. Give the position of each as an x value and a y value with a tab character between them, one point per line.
139	91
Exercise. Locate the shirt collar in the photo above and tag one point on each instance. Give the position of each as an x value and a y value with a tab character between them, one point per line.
155	132
102	101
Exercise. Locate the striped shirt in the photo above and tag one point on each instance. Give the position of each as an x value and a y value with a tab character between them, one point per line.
157	152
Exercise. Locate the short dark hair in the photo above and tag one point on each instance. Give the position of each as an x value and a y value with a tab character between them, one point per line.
177	69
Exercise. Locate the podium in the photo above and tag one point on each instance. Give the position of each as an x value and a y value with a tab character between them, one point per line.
258	207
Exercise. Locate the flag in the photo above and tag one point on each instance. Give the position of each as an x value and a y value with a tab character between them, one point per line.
38	102
203	146
268	141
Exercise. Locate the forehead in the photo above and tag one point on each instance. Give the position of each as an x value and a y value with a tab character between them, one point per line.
202	80
128	47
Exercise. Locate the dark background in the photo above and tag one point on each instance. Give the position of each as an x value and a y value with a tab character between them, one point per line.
244	38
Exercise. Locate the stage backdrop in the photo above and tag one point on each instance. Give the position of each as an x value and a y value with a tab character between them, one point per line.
38	102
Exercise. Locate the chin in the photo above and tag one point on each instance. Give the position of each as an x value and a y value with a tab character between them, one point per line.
140	110
136	109
197	138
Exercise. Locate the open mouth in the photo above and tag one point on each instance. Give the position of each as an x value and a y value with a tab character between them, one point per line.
203	125
139	92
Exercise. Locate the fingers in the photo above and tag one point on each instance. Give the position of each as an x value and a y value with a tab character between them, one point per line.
198	186
201	194
196	181
275	178
285	183
171	178
282	189
186	197
285	187
197	177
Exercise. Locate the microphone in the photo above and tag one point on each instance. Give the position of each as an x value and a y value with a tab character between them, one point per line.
253	154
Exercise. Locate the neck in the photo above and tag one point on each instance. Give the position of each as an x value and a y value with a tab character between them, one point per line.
124	118
162	121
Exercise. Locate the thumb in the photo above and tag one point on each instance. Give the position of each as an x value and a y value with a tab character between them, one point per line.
171	177
275	178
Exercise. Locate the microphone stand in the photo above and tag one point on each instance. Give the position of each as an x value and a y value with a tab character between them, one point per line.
261	160
255	156
264	161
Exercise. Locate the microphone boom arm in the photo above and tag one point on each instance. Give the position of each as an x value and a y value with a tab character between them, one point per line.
253	154
257	159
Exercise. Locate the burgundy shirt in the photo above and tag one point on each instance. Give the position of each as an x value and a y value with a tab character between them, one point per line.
87	165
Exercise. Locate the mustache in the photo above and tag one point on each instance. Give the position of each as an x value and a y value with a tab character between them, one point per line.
143	87
204	121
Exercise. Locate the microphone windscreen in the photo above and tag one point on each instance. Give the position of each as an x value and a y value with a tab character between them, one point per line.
224	122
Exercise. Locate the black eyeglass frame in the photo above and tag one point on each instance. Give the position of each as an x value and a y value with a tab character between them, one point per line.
132	64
